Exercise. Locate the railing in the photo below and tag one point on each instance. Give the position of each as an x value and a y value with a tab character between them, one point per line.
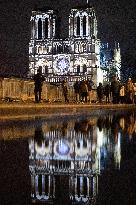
14	89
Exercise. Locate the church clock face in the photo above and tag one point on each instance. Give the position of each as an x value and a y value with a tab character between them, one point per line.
62	65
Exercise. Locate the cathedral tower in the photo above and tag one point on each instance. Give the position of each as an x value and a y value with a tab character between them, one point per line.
76	57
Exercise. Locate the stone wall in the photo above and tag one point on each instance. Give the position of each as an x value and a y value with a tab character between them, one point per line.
14	89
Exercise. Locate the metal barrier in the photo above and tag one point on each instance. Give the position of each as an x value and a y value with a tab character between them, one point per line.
15	89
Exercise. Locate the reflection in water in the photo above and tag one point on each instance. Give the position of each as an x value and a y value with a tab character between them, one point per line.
63	158
67	157
88	160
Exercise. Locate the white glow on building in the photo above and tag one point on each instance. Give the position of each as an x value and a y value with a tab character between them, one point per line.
80	51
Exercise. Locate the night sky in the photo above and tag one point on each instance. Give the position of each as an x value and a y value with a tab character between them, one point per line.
116	22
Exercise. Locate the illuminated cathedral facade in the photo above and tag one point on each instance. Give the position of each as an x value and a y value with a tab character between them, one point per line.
77	57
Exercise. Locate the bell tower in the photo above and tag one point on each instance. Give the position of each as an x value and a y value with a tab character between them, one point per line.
43	30
83	23
42	24
83	35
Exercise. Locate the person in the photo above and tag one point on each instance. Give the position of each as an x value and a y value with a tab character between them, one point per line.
115	87
89	84
107	93
65	90
129	91
38	82
84	91
122	94
134	93
76	89
100	92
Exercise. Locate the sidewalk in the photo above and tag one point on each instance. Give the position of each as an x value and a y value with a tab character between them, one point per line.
31	110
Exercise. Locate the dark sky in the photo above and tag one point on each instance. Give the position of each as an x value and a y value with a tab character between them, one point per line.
116	22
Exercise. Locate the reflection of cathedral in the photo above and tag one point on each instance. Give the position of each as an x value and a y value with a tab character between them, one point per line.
69	156
77	57
61	155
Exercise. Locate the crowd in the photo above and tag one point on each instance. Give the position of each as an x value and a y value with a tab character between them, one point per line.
113	92
117	92
82	91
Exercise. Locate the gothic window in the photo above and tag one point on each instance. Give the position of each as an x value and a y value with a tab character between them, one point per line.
90	22
40	29
32	71
30	50
66	49
60	49
78	69
54	50
78	26
84	47
32	29
40	69
84	26
84	68
46	27
33	50
40	49
88	48
80	48
45	49
76	48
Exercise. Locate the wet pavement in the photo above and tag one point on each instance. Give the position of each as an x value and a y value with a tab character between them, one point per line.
31	110
74	159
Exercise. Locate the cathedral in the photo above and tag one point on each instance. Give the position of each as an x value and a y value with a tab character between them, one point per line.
80	56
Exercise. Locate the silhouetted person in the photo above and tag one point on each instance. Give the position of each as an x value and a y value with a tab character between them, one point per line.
89	84
107	93
100	92
84	91
115	88
65	90
38	82
77	89
129	91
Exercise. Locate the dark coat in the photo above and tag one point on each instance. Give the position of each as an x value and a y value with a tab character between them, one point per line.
100	91
38	81
77	87
107	90
115	87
